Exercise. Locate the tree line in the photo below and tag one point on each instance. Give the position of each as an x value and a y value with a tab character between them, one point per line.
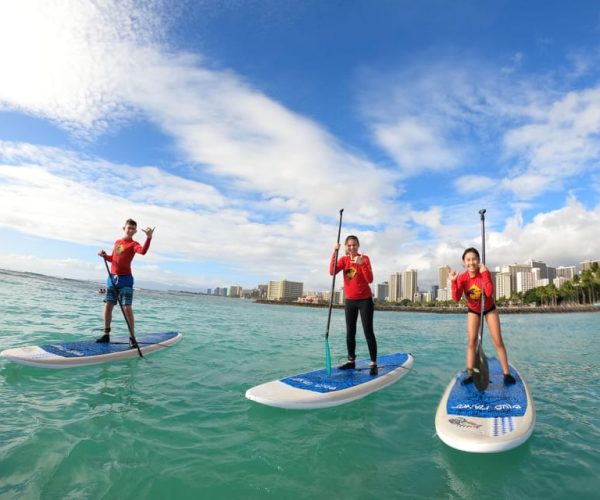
584	288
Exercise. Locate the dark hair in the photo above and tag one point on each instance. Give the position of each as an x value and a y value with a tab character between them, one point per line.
471	250
351	237
131	222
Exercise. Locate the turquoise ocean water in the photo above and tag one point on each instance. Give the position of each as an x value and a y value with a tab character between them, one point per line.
177	425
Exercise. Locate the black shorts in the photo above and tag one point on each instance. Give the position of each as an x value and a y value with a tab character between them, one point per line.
493	308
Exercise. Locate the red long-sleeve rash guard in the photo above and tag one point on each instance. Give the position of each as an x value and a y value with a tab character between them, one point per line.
123	253
356	276
472	287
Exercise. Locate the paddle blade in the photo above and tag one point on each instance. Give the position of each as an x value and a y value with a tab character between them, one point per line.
481	372
327	357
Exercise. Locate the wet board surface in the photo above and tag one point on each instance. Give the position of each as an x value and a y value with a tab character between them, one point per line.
497	419
88	352
315	389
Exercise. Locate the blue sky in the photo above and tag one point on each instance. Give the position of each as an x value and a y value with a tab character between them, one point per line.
240	128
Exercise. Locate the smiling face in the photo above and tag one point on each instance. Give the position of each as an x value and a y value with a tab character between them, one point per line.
471	261
130	230
352	246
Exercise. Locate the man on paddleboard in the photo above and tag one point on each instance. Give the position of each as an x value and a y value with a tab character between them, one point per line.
123	253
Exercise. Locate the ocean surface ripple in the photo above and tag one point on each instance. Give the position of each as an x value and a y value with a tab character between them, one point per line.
177	425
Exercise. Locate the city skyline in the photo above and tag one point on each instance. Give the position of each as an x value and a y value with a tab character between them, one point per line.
240	129
402	295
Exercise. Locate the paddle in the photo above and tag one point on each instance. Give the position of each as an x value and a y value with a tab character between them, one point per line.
481	373
114	285
327	352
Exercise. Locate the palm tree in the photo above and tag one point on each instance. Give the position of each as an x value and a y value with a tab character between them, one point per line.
541	295
577	285
552	292
567	291
587	280
595	280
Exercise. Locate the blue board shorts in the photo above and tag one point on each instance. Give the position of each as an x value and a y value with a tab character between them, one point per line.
124	285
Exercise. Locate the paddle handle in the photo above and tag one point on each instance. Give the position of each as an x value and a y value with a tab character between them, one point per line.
482	214
337	250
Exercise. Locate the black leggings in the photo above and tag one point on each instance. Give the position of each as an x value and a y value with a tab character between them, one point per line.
366	308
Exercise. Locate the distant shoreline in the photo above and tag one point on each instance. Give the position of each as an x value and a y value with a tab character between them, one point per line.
451	310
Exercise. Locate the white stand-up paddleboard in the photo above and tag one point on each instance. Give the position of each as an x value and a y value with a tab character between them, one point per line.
88	352
498	419
317	390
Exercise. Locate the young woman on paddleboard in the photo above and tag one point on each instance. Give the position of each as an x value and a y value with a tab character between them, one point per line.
358	299
472	283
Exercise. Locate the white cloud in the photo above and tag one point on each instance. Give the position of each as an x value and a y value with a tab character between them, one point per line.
58	199
561	144
416	146
297	247
90	66
559	237
532	138
466	184
66	60
238	133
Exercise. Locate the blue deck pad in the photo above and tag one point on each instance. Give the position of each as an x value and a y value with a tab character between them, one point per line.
87	348
318	381
498	400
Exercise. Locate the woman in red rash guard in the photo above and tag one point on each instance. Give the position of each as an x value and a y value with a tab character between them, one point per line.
472	283
358	298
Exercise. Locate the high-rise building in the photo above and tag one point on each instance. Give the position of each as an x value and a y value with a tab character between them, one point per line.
503	285
383	291
395	287
559	281
525	281
284	290
409	287
541	266
443	276
513	269
235	291
588	264
568	272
